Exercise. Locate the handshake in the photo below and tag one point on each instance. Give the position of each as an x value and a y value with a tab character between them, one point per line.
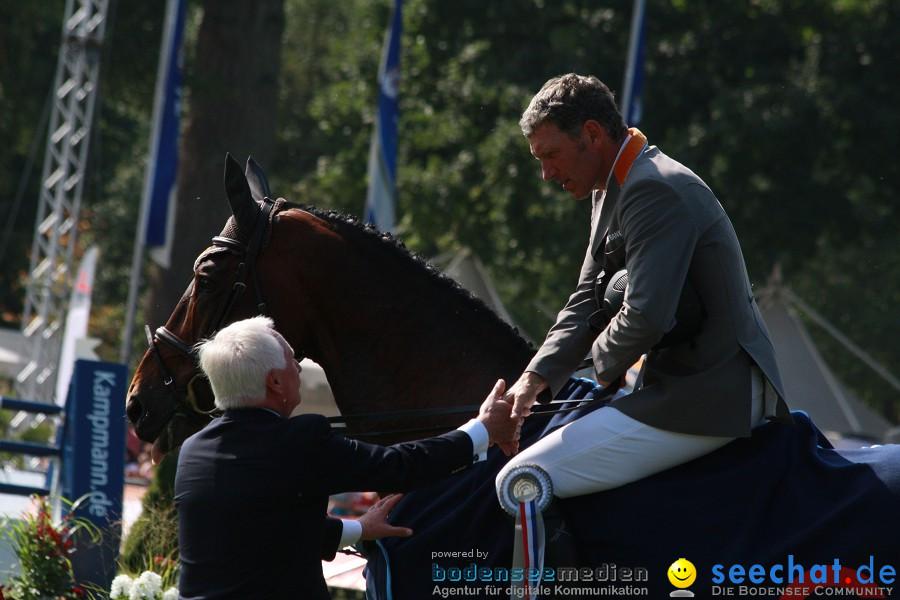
502	414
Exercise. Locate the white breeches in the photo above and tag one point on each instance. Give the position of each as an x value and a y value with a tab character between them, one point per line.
607	449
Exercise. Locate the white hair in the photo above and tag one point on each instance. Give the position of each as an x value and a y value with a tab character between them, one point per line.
237	359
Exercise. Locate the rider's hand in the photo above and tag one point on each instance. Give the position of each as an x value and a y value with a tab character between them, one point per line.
522	396
524	392
374	522
621	381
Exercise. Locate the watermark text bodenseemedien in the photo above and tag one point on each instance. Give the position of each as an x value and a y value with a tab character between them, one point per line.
603	573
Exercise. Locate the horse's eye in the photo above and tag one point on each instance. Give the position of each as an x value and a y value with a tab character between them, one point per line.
205	284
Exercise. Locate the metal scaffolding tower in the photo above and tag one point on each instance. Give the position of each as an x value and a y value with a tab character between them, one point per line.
52	254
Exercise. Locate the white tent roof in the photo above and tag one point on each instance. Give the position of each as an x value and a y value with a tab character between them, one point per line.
809	383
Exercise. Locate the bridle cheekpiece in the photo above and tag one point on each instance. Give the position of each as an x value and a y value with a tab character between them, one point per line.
249	253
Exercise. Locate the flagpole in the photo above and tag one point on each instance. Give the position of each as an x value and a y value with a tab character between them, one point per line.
380	204
634	47
140	244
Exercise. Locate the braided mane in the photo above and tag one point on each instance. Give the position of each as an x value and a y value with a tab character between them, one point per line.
352	228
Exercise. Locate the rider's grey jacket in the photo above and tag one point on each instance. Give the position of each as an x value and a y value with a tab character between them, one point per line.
663	223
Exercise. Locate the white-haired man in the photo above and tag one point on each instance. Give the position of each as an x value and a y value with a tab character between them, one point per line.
252	487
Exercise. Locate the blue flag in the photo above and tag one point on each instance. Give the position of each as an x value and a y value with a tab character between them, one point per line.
632	107
380	199
163	163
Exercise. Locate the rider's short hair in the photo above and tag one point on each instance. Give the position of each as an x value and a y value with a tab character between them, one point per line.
237	360
568	101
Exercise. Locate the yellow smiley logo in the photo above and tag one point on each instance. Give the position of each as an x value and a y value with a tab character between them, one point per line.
682	573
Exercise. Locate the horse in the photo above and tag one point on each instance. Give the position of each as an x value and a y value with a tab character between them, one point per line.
351	321
394	336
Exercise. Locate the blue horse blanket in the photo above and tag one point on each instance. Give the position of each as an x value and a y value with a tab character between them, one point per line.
779	514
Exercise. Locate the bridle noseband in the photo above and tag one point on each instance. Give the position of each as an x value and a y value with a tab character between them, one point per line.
249	253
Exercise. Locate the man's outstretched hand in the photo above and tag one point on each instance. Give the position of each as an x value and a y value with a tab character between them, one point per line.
374	522
521	396
494	415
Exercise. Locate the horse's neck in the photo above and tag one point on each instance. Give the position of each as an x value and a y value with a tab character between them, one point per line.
419	345
388	334
427	356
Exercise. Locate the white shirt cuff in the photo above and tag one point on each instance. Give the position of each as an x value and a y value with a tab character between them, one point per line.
476	430
350	534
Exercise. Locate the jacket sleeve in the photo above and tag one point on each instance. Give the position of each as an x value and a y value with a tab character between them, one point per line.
569	340
338	464
331	537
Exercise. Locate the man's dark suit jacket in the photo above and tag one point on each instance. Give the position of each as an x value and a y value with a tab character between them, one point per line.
252	489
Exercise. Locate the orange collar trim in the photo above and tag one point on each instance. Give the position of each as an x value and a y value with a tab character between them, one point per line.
633	148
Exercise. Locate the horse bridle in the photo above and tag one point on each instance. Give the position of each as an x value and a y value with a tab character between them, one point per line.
249	253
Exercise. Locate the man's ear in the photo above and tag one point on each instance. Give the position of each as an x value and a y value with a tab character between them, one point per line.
273	382
594	131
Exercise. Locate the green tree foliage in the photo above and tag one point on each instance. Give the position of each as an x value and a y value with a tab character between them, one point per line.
29	47
787	108
119	157
155	533
29	44
783	107
231	87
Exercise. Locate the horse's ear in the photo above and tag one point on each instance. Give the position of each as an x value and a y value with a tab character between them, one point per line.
256	177
237	189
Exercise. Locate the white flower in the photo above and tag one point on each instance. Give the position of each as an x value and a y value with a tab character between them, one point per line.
121	587
146	587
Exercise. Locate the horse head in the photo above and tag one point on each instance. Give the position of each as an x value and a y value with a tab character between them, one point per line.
169	398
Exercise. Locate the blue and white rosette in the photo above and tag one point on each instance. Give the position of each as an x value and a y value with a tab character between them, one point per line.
524	493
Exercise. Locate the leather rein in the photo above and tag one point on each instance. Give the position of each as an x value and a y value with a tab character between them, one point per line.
601	397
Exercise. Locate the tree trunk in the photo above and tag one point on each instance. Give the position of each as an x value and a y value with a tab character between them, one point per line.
231	104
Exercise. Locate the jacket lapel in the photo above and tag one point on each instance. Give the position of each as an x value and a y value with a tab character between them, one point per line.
602	214
605	204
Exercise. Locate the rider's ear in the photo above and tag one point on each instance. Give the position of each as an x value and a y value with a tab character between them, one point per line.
593	130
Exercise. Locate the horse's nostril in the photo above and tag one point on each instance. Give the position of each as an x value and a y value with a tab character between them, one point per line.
134	411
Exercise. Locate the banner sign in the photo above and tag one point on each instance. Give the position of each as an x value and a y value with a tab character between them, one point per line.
94	460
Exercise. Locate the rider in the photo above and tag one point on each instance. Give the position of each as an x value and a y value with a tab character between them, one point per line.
660	221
